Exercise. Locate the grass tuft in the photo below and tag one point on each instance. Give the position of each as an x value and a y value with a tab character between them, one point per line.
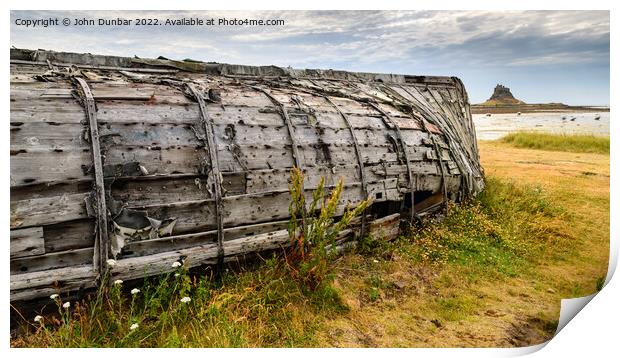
495	234
579	143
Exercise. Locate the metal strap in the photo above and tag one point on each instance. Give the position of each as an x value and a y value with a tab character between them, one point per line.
402	143
102	243
288	122
215	171
360	161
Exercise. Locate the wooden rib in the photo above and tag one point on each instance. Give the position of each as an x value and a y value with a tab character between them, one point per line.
102	243
402	143
287	121
461	159
215	170
360	161
443	175
438	153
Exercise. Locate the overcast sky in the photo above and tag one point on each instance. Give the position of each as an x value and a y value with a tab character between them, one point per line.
543	56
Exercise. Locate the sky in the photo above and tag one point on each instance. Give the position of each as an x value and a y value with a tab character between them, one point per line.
543	56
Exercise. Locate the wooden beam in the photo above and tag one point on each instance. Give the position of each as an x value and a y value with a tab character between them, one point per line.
360	161
53	260
443	175
215	170
404	146
44	283
102	243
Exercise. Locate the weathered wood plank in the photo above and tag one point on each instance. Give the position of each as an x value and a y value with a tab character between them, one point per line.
188	159
102	93
46	111
43	64
206	254
195	216
42	136
139	131
27	242
36	166
164	244
52	261
44	283
69	235
159	160
169	190
162	191
129	268
120	112
386	228
277	179
47	190
149	134
49	210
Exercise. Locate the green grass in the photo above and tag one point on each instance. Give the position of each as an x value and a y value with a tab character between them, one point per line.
500	234
455	308
260	307
579	143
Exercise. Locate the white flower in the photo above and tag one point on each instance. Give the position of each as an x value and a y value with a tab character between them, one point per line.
375	261
176	264
185	299
111	262
118	282
66	304
177	274
38	318
54	296
133	326
135	291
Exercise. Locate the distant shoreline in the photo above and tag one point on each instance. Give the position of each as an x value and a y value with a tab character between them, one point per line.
534	108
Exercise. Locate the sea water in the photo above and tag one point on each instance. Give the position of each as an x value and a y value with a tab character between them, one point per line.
497	125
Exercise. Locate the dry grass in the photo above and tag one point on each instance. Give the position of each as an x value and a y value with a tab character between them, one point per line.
492	274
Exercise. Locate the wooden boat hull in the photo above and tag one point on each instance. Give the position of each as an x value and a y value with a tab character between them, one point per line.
148	162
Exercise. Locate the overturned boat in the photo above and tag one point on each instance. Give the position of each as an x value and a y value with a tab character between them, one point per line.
152	161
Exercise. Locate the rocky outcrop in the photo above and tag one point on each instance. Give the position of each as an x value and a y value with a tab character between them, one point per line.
502	101
502	96
501	92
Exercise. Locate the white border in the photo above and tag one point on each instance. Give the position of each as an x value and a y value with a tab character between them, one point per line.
594	330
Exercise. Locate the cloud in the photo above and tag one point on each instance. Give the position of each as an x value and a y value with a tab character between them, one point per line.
487	38
417	42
